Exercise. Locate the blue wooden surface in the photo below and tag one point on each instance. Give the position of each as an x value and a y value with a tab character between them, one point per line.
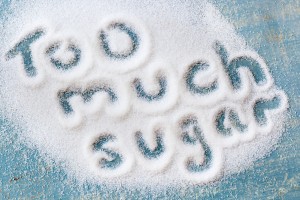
272	28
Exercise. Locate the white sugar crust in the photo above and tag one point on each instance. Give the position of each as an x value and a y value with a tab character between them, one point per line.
172	37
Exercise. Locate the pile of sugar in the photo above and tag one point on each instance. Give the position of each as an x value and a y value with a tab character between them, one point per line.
173	36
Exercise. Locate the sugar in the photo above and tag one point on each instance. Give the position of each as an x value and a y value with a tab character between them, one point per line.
132	91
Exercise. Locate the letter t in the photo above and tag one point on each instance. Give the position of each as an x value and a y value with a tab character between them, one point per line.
23	47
